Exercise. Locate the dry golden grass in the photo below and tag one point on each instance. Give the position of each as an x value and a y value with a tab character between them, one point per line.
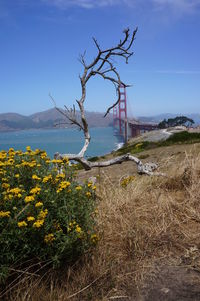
153	221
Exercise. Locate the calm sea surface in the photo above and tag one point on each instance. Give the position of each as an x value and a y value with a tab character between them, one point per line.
61	140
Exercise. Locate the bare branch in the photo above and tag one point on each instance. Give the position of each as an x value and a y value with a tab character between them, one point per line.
68	114
111	107
103	66
147	168
96	43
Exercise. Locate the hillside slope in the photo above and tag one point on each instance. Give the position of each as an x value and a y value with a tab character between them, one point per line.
48	119
148	232
149	244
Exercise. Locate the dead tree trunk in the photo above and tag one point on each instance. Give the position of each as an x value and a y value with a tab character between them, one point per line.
103	66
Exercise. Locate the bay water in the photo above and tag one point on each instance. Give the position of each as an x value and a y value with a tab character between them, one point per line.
103	140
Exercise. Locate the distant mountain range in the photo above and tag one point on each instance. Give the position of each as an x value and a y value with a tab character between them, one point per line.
51	118
48	119
160	117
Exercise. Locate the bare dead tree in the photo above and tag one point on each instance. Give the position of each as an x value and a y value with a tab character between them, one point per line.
103	66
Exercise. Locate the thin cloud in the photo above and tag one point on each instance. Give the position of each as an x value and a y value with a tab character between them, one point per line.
184	72
87	4
181	6
175	72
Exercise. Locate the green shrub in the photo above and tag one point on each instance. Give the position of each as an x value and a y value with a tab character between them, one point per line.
135	148
44	215
181	137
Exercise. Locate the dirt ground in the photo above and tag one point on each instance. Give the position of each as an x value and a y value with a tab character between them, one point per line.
172	283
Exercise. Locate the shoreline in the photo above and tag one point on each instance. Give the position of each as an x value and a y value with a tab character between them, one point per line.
50	128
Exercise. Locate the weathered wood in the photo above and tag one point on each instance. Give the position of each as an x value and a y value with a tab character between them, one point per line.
103	66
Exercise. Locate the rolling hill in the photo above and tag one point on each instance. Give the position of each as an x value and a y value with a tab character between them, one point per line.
47	119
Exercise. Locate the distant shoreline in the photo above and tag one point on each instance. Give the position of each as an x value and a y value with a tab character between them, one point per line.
50	128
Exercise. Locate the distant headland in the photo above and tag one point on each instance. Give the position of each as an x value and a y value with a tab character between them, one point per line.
52	118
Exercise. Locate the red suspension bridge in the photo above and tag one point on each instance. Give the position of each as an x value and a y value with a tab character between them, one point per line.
128	127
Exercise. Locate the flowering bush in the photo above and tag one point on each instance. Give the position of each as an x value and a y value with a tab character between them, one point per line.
44	215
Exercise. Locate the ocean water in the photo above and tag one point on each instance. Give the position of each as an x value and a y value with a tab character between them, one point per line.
103	140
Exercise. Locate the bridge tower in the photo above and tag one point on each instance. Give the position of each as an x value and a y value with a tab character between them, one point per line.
123	111
120	113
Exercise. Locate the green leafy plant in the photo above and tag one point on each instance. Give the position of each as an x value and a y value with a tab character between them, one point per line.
45	215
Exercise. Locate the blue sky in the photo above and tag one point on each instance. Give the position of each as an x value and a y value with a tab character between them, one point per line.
42	39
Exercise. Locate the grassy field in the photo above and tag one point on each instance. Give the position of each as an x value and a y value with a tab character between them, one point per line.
149	247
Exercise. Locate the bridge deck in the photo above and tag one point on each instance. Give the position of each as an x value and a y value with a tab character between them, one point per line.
139	125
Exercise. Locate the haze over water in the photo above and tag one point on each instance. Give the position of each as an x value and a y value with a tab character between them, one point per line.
61	140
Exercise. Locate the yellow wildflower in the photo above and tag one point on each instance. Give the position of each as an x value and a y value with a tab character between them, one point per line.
66	160
61	175
17	176
47	178
11	161
24	163
32	164
94	187
71	225
127	180
63	185
43	155
78	188
38	204
49	238
42	214
22	224
2	156
37	151
89	185
94	238
88	194
4	179
39	223
56	161
35	177
4	213
5	185
10	196
29	198
78	229
28	148
30	218
15	191
35	190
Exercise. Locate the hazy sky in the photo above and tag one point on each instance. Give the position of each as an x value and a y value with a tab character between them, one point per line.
40	41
